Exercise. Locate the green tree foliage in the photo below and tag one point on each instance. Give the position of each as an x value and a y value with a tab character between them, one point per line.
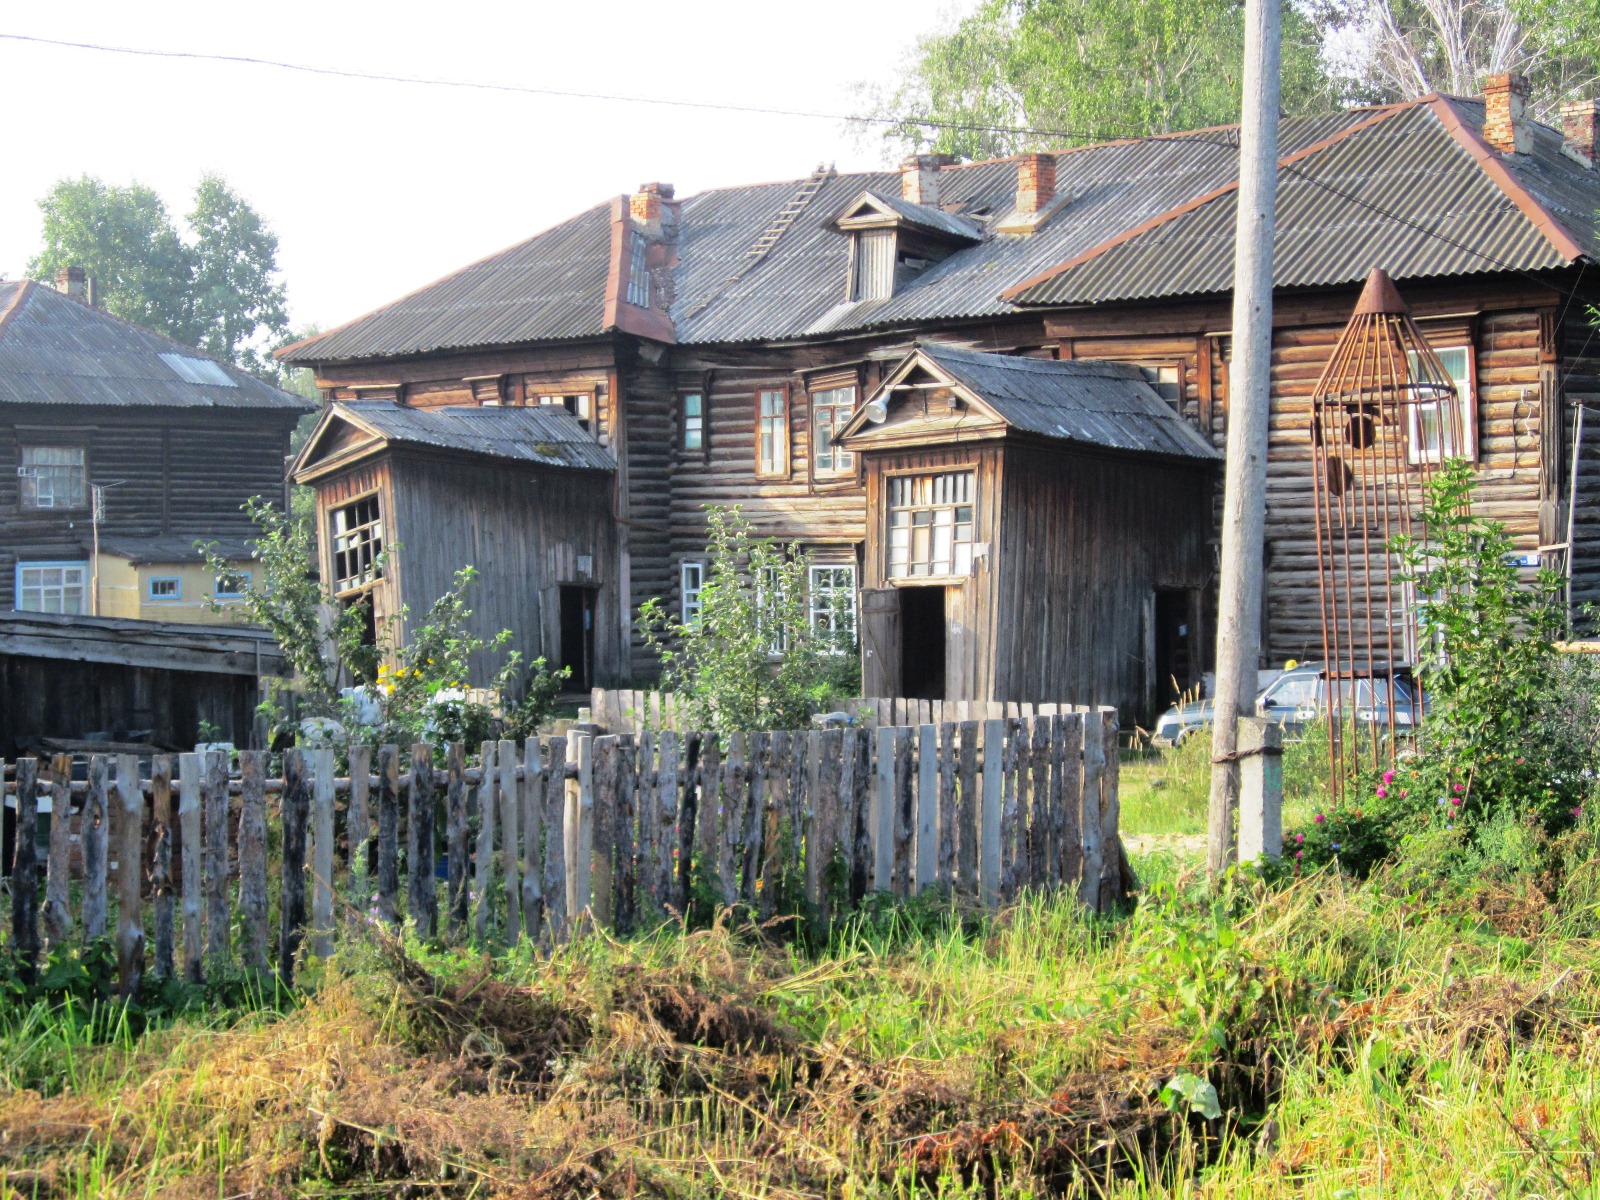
216	289
1080	71
752	659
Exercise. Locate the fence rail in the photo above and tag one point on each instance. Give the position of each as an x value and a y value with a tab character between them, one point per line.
531	840
622	711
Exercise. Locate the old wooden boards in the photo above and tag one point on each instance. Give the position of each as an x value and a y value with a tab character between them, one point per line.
539	838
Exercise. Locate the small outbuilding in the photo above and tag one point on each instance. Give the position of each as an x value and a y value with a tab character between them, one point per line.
407	496
1036	529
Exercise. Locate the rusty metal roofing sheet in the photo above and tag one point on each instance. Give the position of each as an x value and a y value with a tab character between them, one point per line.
1402	195
57	350
1089	403
544	434
551	286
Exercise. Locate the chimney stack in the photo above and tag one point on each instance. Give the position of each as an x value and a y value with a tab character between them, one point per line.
1505	125
1580	129
73	282
646	205
919	177
1036	182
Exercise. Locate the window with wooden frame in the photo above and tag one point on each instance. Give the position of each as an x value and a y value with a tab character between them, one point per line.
579	404
1167	380
692	422
1433	426
772	433
54	477
691	582
356	535
831	409
931	525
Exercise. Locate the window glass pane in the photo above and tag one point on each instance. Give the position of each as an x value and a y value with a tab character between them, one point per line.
693	421
930	525
1443	429
772	436
54	477
692	581
357	544
53	587
831	409
833	604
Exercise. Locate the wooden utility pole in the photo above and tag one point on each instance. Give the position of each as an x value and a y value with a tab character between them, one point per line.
1244	496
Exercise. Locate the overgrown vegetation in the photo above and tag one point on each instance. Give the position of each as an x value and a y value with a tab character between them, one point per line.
355	679
753	657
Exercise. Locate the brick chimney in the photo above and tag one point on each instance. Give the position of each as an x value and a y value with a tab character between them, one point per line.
1580	130
919	177
73	282
1036	182
1505	127
646	205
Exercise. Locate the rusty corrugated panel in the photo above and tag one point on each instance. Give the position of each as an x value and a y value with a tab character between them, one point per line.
1402	195
56	350
543	434
1088	403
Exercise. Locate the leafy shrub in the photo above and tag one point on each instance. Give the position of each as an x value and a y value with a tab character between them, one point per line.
752	659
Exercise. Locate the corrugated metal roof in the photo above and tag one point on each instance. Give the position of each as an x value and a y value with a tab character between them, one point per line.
549	287
553	286
1087	403
162	550
57	350
935	219
1403	195
543	434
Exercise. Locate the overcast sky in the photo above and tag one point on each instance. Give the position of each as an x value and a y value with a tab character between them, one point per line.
377	188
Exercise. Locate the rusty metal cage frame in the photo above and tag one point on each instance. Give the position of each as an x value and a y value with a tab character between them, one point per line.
1368	479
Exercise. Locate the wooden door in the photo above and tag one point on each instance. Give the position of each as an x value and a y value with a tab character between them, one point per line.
880	641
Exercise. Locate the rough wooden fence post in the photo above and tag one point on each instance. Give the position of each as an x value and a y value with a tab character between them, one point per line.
510	816
1072	727
1011	826
25	871
57	913
1111	861
905	813
989	848
483	860
95	830
755	814
625	879
665	841
735	794
861	829
423	896
969	813
389	834
189	771
579	870
822	783
607	767
708	816
947	804
532	838
688	819
296	810
214	800
161	863
772	849
457	904
253	943
322	851
130	876
555	839
358	826
927	837
883	807
1039	817
1094	765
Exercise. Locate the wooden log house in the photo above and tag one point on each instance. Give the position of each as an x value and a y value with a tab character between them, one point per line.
716	346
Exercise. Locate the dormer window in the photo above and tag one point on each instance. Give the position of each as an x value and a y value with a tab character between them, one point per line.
894	241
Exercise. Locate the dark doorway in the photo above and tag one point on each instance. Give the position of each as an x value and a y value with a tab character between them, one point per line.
922	643
1174	664
577	636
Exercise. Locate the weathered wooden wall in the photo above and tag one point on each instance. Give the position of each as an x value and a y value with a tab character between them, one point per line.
1085	540
179	472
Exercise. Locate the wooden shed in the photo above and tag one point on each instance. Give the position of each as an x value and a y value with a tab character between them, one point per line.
407	496
1035	529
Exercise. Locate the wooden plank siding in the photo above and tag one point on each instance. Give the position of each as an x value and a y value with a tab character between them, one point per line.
175	475
1084	542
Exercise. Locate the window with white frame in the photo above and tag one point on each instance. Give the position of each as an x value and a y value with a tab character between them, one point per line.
694	420
691	581
231	585
357	534
54	477
168	587
772	432
1435	424
579	404
831	409
53	587
832	603
770	599
930	525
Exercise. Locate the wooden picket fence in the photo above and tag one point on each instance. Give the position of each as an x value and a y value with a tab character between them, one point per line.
536	839
623	710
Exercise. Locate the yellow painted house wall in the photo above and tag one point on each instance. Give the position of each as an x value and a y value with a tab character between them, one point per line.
125	592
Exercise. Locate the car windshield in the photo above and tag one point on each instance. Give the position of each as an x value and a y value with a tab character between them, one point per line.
1303	691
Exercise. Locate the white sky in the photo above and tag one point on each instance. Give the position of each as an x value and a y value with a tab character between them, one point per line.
376	188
